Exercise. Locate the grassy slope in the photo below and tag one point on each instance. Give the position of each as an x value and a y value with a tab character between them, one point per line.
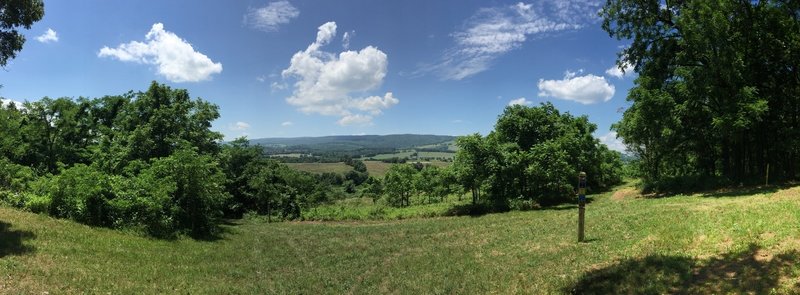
686	244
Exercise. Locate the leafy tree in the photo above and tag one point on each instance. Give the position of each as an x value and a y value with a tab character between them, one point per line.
281	189
717	89
356	177
434	182
399	184
13	143
199	194
159	120
16	14
236	158
374	188
534	153
57	131
472	163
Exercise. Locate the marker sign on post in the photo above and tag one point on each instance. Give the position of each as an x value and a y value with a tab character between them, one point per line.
581	204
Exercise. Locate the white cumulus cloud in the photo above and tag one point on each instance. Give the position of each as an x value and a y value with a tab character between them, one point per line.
270	17
48	36
494	31
239	126
520	101
619	72
610	139
4	102
334	85
175	58
586	89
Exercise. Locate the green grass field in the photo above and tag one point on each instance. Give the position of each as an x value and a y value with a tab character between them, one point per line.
377	168
400	155
320	168
728	242
293	155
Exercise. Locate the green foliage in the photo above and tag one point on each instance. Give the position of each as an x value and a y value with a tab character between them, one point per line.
717	90
399	185
140	160
14	177
535	153
236	158
82	193
199	194
14	15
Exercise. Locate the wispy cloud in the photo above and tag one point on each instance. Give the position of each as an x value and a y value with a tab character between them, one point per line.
270	17
239	126
586	89
346	37
520	101
287	124
48	36
176	58
494	31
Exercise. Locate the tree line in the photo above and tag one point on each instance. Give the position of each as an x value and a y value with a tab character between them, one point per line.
143	160
717	100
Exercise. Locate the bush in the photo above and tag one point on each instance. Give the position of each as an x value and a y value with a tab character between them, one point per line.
199	194
145	202
37	203
82	193
14	177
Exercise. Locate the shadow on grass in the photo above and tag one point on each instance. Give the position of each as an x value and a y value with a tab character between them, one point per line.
746	191
753	271
481	209
12	242
473	210
223	228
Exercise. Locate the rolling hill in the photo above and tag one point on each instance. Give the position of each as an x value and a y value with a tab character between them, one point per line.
354	142
738	242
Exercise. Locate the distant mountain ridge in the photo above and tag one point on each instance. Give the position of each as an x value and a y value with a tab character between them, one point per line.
343	143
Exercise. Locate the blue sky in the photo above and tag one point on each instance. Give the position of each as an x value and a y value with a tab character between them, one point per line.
314	68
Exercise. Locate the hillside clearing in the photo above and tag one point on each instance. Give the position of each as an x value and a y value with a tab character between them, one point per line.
699	244
320	168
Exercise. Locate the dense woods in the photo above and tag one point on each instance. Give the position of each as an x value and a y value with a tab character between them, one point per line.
143	160
718	94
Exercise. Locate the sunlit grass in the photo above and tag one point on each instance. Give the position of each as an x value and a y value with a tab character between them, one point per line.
714	243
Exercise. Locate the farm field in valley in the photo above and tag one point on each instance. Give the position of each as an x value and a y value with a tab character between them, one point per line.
321	167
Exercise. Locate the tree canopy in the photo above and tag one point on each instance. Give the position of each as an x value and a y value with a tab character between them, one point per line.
718	93
534	153
15	14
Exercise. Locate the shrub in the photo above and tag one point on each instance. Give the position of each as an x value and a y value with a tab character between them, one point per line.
199	194
82	193
37	203
14	177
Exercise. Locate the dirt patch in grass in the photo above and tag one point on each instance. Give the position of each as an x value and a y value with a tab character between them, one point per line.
625	193
786	194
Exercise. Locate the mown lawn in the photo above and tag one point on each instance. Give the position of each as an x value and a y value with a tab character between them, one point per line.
735	242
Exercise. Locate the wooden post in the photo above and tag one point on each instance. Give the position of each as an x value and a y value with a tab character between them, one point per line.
581	204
